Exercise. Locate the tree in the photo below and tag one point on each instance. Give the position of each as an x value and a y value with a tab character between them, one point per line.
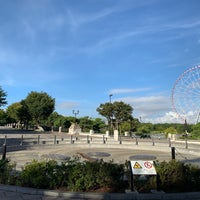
195	131
106	110
3	117
145	128
18	113
40	105
67	122
99	125
23	114
12	112
122	112
171	130
134	124
125	126
116	112
86	124
58	120
3	96
54	119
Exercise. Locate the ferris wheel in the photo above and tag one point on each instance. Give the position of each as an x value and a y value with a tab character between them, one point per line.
186	95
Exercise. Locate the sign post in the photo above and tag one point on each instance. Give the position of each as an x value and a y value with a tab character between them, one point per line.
141	167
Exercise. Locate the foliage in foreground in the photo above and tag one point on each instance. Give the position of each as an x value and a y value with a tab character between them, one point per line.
173	176
6	172
73	175
177	176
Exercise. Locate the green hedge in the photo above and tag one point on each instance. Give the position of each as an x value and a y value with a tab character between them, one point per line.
177	176
7	175
173	176
73	175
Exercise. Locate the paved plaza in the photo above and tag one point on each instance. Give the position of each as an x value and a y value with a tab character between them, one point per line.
118	151
24	147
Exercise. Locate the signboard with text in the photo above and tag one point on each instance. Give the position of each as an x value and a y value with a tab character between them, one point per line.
141	167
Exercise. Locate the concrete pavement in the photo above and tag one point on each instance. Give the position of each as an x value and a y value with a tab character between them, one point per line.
111	150
20	193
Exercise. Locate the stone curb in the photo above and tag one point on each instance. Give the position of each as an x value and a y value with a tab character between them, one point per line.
100	196
52	193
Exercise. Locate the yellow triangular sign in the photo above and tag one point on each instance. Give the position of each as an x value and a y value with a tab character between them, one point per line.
137	166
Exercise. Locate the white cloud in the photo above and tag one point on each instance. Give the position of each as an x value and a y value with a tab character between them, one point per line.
156	28
149	103
151	108
168	117
65	107
157	109
127	90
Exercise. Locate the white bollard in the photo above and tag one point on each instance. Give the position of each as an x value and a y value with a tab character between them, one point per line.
116	135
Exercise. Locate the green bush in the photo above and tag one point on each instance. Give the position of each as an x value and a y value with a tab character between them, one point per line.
7	172
90	176
73	175
39	174
173	175
111	176
194	184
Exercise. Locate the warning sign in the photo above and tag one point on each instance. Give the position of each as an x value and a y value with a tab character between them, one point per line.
137	166
148	165
141	167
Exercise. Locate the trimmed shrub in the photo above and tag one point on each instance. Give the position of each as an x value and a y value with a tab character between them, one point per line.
194	184
90	176
73	175
39	174
174	176
7	172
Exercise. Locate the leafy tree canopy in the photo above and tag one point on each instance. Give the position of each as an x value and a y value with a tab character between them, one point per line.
40	105
3	96
23	113
171	130
12	112
57	120
3	117
122	111
117	111
106	110
144	128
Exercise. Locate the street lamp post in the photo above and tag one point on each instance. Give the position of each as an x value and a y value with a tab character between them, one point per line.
75	114
111	125
110	95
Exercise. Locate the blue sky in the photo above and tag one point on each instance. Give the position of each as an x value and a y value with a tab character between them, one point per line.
80	51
